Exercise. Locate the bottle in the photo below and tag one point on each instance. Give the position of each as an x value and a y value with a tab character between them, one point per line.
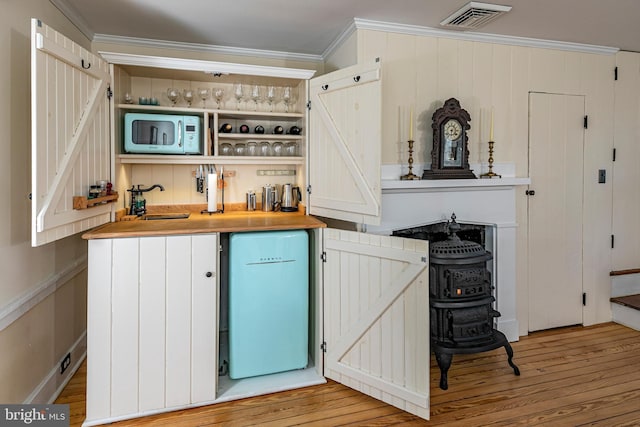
226	128
244	129
294	130
278	130
259	129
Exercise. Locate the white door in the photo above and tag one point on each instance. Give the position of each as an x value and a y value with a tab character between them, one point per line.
376	314
556	137
70	134
345	144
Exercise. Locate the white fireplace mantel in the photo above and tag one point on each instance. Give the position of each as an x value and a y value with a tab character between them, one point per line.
491	202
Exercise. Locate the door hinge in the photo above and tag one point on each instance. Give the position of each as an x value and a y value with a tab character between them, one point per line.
309	189
613	241
584	298
323	256
615	73
323	346
530	192
309	105
614	154
586	122
109	92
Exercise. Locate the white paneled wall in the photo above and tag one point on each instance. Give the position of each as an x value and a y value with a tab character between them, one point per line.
423	71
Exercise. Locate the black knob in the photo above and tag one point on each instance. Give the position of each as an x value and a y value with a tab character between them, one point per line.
209	274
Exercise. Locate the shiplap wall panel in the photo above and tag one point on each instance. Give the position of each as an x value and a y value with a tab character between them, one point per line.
99	329
381	342
178	354
153	322
125	327
485	75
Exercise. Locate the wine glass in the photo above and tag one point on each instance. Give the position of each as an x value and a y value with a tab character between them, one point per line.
218	93
173	94
256	94
204	93
238	92
187	94
271	95
287	97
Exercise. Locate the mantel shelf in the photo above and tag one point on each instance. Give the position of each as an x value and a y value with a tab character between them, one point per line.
396	185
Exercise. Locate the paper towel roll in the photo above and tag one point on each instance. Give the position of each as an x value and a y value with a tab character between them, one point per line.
212	192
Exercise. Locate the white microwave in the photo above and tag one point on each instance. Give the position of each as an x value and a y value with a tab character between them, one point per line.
162	134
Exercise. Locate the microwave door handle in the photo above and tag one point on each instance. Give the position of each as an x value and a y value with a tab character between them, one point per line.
179	133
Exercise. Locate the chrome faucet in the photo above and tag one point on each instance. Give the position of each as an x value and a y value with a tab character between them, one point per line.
138	203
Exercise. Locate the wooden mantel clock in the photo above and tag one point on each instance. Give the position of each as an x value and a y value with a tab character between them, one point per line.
450	154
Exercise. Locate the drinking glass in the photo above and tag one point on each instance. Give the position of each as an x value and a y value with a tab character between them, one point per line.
265	149
271	95
218	93
173	94
204	93
277	148
287	97
226	149
291	148
238	93
256	94
252	148
239	149
188	95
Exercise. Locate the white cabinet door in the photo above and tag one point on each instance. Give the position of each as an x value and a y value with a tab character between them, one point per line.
152	325
70	132
376	302
345	123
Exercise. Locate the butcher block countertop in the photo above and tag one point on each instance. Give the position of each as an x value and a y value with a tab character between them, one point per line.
197	223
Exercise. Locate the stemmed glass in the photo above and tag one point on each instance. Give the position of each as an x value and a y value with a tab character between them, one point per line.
187	94
204	94
218	93
238	92
173	95
271	95
287	97
256	94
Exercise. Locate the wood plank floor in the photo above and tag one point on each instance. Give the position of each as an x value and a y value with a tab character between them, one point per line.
569	377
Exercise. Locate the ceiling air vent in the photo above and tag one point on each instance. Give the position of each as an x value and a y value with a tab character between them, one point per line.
474	15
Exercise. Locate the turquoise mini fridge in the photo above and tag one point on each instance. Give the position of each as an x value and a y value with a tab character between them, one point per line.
268	302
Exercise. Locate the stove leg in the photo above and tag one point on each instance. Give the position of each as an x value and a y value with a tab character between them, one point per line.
444	362
509	350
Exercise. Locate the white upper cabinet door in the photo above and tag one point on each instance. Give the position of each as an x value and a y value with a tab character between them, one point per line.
70	130
376	317
345	123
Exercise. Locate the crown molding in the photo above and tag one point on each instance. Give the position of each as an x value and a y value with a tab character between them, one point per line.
346	33
72	15
364	24
199	47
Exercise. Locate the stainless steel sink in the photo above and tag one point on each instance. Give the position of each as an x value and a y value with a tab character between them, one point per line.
178	215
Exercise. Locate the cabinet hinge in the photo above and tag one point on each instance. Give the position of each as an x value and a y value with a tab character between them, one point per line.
109	92
613	241
614	154
309	189
586	122
323	257
309	105
615	73
323	346
584	298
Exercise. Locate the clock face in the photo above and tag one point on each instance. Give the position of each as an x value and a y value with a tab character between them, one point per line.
452	130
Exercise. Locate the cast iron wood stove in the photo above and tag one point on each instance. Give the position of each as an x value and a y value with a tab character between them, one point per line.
460	295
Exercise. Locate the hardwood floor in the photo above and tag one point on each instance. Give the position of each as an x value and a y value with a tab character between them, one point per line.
569	377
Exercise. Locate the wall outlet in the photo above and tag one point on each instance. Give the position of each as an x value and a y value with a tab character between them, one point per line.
65	363
602	176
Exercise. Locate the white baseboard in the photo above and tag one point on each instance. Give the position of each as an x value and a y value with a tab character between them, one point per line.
53	384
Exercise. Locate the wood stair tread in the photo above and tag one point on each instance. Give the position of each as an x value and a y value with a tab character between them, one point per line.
632	301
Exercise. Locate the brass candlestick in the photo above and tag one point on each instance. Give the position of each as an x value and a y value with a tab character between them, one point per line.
490	174
410	175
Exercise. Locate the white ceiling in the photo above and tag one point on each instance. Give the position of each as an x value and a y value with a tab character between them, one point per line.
310	26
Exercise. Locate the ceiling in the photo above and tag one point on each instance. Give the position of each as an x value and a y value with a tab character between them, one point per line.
310	26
